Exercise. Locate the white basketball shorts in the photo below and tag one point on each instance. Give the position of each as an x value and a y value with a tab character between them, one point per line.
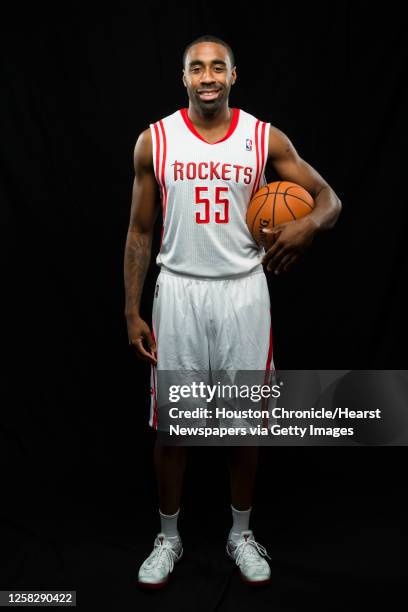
202	325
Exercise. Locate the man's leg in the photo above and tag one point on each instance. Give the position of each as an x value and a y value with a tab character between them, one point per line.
178	333
241	545
170	464
242	464
244	343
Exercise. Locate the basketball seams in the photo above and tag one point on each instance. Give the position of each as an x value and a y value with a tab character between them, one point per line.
274	202
284	193
261	195
296	196
260	208
277	206
288	207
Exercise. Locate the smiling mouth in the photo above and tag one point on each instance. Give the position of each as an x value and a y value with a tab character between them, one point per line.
209	94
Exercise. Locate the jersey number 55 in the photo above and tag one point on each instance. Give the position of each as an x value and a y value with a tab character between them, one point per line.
220	216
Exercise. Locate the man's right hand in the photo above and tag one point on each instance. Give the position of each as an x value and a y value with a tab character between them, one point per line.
141	338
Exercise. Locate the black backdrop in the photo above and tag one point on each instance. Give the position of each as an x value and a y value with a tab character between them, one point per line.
79	507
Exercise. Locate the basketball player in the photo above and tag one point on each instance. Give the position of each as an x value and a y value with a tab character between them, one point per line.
211	306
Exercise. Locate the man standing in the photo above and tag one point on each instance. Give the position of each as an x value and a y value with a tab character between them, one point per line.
211	307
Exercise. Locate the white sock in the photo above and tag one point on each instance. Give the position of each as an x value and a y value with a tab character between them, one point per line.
240	522
169	525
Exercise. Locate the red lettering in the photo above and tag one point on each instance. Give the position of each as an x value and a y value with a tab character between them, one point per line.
213	170
225	171
205	218
178	169
191	170
218	200
237	168
248	174
200	172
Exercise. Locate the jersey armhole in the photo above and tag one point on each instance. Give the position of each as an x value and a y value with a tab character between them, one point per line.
155	151
267	131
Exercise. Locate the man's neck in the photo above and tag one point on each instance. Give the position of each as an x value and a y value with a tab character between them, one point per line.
210	121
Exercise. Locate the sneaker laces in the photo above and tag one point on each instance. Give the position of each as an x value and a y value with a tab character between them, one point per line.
250	549
162	552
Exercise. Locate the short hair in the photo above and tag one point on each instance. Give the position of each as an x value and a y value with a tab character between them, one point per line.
210	38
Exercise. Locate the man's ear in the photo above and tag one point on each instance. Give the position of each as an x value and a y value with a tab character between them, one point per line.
184	79
234	75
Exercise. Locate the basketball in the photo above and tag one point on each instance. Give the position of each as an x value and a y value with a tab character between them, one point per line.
277	203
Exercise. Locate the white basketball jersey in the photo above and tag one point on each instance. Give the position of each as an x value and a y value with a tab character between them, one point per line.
205	191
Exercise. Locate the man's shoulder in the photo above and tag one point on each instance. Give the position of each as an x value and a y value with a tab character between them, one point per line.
151	136
144	139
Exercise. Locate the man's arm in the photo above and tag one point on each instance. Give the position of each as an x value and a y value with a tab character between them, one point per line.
143	214
289	240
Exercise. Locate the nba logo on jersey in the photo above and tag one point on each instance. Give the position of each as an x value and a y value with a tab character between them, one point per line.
248	144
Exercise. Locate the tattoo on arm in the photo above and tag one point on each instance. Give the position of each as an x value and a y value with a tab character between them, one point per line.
137	259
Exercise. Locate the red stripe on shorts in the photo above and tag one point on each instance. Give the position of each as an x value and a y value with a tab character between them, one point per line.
265	401
155	410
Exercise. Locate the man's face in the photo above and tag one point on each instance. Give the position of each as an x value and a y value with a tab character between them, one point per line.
208	76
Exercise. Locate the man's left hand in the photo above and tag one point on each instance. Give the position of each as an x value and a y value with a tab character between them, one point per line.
286	242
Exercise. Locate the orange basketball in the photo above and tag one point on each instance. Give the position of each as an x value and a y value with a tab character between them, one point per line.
277	203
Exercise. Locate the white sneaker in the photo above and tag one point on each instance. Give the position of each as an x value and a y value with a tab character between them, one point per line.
155	570
248	555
